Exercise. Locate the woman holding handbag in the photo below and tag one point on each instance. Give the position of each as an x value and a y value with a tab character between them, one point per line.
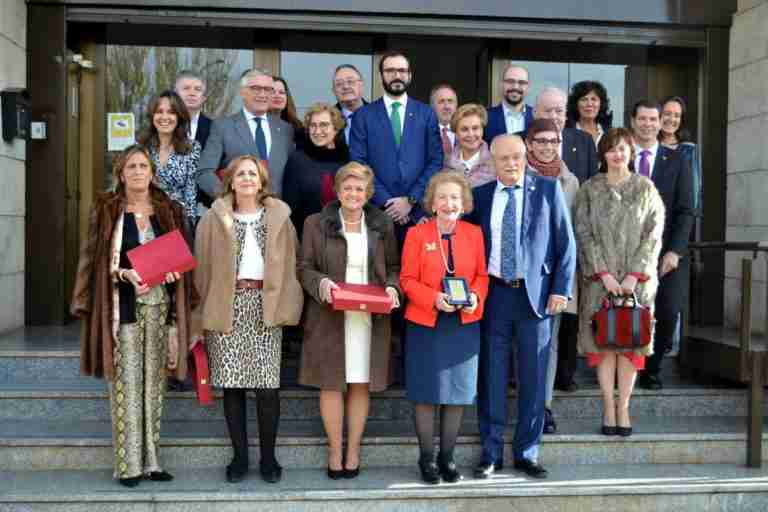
618	222
246	250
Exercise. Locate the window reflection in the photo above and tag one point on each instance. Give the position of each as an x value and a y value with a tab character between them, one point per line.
310	76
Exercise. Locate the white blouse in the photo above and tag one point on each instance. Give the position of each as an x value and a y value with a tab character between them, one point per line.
252	261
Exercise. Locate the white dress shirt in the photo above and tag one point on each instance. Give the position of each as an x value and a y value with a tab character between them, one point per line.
514	120
500	198
449	133
193	126
651	158
252	261
403	102
264	126
348	117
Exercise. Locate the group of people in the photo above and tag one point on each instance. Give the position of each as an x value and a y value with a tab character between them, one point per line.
532	206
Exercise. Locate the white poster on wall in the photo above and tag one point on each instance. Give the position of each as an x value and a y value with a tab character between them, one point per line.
121	131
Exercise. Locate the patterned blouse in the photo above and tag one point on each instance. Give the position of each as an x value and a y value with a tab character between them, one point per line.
177	177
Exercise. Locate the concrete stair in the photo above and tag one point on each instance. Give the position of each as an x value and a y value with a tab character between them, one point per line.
687	452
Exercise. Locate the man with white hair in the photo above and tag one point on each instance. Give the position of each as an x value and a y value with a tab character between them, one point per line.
252	131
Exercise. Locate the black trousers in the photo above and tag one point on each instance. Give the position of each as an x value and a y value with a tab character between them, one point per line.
567	352
669	302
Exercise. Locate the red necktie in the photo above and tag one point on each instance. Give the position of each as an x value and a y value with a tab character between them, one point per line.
447	148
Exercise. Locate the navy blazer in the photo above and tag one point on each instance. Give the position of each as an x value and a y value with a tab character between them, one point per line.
399	171
579	153
547	241
497	125
203	130
675	185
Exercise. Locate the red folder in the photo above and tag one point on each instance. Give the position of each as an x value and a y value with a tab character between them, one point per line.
367	298
198	370
166	253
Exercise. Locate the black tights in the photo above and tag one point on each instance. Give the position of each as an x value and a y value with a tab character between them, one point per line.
268	410
450	421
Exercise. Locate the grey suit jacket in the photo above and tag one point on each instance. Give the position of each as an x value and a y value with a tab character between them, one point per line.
231	137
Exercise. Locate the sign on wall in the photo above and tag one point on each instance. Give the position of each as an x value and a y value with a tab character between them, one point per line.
121	130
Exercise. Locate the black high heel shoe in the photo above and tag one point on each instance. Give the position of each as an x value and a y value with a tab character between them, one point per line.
130	482
448	471
609	430
430	473
160	476
624	431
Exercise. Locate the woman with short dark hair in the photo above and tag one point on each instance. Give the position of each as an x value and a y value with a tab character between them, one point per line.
589	109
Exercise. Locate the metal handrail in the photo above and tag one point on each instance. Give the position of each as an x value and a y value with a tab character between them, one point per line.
756	360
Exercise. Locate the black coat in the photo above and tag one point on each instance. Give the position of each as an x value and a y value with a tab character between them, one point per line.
674	182
303	178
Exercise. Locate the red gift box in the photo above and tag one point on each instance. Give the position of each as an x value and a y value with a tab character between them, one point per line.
198	371
166	253
367	298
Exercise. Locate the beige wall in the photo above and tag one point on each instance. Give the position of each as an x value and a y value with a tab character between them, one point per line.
747	207
13	73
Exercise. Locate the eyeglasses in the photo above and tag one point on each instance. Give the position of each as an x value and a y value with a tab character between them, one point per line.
319	126
349	82
513	82
398	71
258	89
551	142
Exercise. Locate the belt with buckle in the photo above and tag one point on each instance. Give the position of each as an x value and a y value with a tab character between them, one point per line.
249	284
513	283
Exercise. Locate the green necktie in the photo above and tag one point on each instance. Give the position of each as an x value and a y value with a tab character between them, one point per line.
395	120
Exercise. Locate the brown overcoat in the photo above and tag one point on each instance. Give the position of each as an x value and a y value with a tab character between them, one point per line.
324	254
216	273
95	298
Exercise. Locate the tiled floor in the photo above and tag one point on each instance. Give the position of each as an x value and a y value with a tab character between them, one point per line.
45	340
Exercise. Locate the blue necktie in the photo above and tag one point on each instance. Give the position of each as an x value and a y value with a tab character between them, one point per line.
509	240
261	140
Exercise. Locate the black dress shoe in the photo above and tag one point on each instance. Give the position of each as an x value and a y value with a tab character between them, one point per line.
430	474
624	431
569	386
650	382
486	469
530	468
271	473
336	474
448	471
160	476
550	427
130	482
236	473
351	473
608	430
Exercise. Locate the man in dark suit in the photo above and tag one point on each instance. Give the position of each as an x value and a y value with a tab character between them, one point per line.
666	169
249	132
512	115
191	88
398	138
531	254
577	150
348	87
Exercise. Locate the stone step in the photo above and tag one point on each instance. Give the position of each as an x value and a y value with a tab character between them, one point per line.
87	399
301	444
616	487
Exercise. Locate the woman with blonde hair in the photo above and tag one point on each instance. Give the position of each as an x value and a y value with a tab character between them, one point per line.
347	352
246	250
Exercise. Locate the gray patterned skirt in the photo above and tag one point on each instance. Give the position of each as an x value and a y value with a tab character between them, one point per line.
249	356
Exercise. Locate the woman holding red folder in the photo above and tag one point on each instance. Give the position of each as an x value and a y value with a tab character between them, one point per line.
133	333
349	241
246	250
443	338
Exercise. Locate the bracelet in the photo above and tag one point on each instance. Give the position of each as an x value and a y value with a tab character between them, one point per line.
121	275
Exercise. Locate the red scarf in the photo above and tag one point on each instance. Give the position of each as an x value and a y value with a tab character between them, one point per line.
551	169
